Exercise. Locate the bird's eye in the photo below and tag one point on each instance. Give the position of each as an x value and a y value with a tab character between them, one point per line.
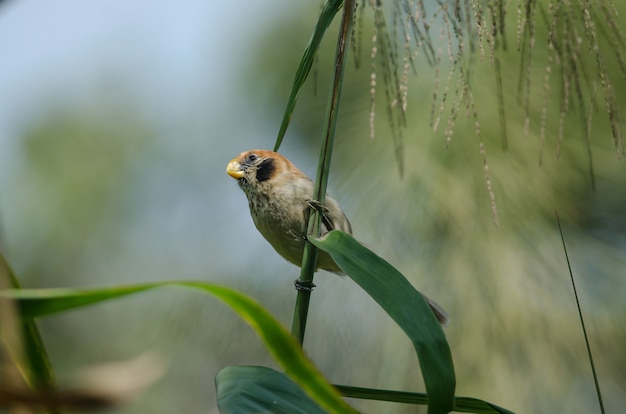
252	157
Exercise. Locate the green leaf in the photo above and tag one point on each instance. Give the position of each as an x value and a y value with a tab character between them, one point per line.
36	367
283	347
246	389
329	11
34	303
406	306
461	404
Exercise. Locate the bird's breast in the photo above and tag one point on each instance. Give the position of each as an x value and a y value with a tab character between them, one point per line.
282	224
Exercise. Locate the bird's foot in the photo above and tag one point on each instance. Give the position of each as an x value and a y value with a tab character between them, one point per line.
304	285
317	206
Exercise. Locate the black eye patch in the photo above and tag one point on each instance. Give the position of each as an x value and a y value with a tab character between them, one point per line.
265	170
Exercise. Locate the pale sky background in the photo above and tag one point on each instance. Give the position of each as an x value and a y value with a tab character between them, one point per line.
176	64
153	48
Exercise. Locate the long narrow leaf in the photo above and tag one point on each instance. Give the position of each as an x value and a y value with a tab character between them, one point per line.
406	306
38	372
461	404
35	303
582	320
284	348
329	11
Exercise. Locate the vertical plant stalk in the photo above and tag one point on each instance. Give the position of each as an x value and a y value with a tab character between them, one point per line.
309	258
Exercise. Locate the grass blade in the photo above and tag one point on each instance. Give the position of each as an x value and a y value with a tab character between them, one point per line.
582	321
406	306
35	366
284	348
330	9
461	404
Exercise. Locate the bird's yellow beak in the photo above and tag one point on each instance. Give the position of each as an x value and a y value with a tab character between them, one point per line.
234	169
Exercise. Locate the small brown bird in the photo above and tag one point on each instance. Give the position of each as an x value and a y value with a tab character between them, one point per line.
280	197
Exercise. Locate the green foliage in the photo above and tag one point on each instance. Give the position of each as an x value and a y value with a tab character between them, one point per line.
35	366
461	404
248	389
34	303
406	306
329	11
261	389
388	287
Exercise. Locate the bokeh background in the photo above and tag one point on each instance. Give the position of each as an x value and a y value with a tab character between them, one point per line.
117	120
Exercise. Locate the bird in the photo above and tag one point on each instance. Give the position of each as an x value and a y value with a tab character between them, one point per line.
280	198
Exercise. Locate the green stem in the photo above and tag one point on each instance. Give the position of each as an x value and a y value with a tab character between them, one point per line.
309	258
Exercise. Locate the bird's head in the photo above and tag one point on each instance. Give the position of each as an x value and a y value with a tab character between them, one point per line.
254	167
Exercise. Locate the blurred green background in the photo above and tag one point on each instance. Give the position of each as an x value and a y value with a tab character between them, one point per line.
116	123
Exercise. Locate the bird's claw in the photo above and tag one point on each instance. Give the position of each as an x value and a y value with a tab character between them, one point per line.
317	206
304	285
